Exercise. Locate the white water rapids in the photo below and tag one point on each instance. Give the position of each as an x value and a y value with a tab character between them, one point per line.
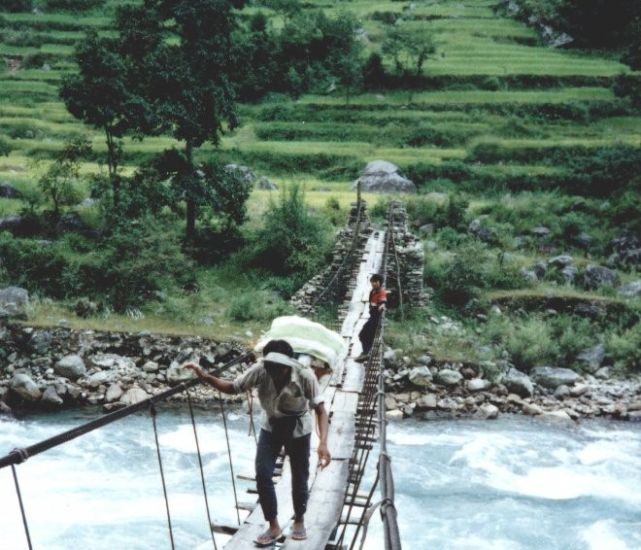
511	484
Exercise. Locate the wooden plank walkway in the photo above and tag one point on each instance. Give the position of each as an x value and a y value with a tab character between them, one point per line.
328	486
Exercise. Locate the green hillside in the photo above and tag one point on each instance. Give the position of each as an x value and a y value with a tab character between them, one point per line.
498	127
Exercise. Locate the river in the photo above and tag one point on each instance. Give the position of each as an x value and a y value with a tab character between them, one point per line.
514	483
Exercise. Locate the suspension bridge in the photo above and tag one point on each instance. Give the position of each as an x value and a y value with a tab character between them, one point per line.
339	507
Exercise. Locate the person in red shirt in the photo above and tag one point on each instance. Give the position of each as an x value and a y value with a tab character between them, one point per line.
377	302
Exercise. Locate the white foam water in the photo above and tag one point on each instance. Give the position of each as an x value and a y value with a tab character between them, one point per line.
510	484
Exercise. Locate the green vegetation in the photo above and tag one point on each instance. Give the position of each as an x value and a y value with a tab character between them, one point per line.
501	134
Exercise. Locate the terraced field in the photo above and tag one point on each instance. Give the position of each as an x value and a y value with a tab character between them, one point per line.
490	82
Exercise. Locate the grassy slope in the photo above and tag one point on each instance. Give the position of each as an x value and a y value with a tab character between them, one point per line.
473	43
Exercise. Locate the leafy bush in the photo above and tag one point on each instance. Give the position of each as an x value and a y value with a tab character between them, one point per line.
293	241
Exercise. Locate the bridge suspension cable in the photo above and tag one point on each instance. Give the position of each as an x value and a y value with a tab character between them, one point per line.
370	414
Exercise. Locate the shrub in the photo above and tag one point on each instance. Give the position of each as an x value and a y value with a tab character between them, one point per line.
293	241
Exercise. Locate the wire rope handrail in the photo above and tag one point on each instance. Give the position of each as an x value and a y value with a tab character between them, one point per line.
18	456
333	282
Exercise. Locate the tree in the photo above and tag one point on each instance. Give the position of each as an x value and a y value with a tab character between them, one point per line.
98	95
408	48
58	183
189	81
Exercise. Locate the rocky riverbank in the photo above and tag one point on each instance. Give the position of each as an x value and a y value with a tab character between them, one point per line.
49	369
55	368
432	390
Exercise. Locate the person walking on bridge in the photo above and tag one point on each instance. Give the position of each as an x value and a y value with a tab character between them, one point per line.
377	301
286	390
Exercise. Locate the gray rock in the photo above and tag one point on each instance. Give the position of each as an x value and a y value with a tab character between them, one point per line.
25	387
266	184
448	377
631	290
562	391
112	361
540	231
569	273
383	176
584	240
133	396
13	301
394	415
447	404
592	358
426	402
578	389
51	397
488	411
532	409
529	275
99	378
151	366
552	377
603	373
420	376
478	384
176	374
114	393
540	269
424	360
88	202
481	232
597	275
71	367
561	261
40	341
518	382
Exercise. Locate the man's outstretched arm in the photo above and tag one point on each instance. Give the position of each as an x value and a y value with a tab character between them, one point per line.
221	385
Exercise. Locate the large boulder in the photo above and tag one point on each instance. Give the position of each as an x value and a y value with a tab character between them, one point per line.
71	366
626	251
382	176
630	290
134	395
552	377
25	387
50	397
13	302
518	382
420	376
597	275
448	377
592	358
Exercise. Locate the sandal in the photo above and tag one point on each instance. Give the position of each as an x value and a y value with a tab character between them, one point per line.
267	539
298	533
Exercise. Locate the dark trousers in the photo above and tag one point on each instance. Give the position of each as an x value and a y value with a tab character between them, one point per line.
367	333
269	446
